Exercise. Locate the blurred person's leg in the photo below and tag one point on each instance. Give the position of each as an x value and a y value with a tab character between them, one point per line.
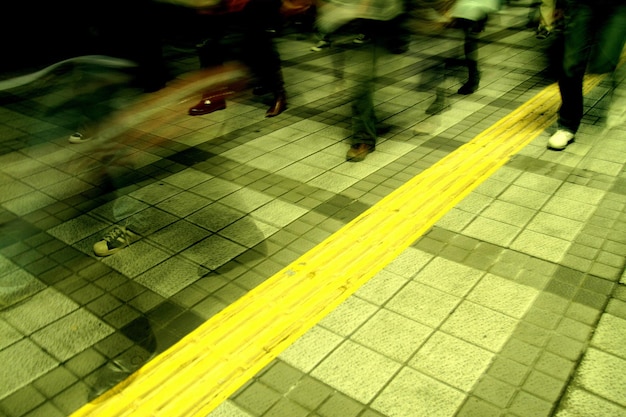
364	132
261	54
578	37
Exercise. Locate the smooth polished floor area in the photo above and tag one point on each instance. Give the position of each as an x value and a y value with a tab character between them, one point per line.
462	269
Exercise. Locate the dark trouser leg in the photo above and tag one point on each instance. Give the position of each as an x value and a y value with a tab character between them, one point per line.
577	40
470	49
363	116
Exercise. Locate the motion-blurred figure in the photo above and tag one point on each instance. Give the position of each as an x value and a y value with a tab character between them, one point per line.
255	21
594	36
471	17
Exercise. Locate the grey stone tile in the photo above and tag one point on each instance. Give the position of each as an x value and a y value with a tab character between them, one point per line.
24	362
348	316
356	371
71	334
213	252
423	304
39	310
452	361
503	295
405	396
171	276
448	276
392	335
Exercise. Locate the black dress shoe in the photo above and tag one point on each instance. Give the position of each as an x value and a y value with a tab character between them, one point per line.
359	151
279	106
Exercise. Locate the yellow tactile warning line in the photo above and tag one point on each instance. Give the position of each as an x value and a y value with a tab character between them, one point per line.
202	370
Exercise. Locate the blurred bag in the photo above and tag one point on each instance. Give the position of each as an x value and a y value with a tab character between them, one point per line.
211	6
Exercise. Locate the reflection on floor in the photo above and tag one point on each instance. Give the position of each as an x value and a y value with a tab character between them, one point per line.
510	305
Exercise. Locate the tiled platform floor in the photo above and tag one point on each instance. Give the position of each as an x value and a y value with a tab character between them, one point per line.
511	305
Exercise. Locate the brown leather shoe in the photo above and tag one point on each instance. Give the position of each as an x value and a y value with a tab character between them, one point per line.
208	105
279	106
359	151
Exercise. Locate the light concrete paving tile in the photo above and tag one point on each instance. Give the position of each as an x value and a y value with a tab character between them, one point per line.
610	335
215	188
581	403
423	304
22	363
456	220
495	391
479	325
72	334
215	216
186	177
538	182
155	192
8	334
475	407
306	352
392	335
171	276
300	172
248	232
555	365
580	193
508	370
540	245
412	394
229	409
17	285
278	213
409	262
269	162
508	213
503	295
449	276
136	258
77	229
544	386
333	182
13	190
474	203
179	235
356	371
28	203
348	316
381	287
66	188
569	209
39	310
555	226
603	374
213	252
452	360
246	199
524	197
575	329
492	231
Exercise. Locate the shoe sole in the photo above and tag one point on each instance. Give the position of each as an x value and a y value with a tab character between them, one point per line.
554	148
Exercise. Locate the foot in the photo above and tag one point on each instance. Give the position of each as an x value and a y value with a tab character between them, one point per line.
208	105
115	240
320	45
361	39
469	87
359	151
279	106
543	32
560	140
78	137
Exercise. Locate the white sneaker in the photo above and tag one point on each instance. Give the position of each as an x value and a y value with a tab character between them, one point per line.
78	137
320	45
115	240
560	140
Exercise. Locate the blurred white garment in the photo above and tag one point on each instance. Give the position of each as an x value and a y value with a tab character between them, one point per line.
333	14
474	10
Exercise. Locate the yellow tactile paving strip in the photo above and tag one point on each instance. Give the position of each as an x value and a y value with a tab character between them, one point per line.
210	364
